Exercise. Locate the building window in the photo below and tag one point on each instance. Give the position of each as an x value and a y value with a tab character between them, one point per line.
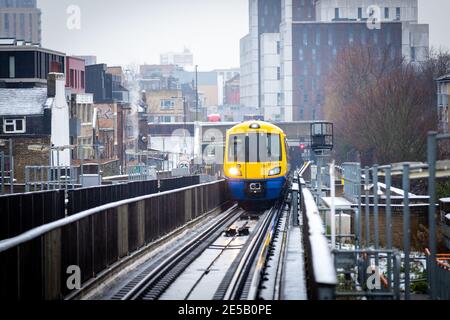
279	99
386	13
318	38
363	36
360	13
14	125
413	53
167	104
330	37
302	83
397	13
12	67
305	37
302	114
336	13
300	54
72	78
278	47
82	79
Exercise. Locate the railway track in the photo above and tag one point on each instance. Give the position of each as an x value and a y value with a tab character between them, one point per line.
225	261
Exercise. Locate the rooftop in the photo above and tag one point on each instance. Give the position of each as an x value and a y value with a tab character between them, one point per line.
445	77
22	102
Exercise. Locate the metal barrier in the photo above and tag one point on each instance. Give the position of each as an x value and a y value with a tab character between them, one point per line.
375	200
141	173
352	181
22	212
87	198
38	263
181	182
6	168
39	178
442	275
321	278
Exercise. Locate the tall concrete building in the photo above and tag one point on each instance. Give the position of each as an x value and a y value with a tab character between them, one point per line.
20	19
183	59
292	46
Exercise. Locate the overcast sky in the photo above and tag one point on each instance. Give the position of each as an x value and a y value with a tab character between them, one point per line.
137	31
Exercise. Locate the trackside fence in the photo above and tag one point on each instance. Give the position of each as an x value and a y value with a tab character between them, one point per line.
321	275
22	212
37	264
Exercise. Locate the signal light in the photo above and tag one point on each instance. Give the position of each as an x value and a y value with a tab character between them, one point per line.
302	147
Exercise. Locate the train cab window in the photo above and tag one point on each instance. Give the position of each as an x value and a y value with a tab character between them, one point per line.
255	147
270	148
236	152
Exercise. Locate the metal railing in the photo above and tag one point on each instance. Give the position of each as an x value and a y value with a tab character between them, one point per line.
7	168
96	239
141	173
380	197
40	178
321	277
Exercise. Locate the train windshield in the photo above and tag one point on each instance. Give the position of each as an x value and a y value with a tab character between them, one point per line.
255	147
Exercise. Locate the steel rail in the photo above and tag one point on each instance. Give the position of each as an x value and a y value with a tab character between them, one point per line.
183	254
241	273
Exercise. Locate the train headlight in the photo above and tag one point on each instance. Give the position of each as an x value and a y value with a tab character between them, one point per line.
275	172
234	171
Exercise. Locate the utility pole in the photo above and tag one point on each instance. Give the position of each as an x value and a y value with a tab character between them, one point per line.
196	93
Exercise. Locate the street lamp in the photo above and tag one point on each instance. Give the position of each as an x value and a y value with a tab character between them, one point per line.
184	109
196	93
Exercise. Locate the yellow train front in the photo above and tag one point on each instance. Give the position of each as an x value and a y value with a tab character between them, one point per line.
256	164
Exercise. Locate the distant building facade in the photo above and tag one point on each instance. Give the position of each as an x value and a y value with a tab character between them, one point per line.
165	106
224	75
119	92
88	60
232	91
36	116
99	83
183	59
292	46
443	91
24	66
21	20
76	74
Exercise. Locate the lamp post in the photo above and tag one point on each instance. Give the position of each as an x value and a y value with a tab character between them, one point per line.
196	93
184	109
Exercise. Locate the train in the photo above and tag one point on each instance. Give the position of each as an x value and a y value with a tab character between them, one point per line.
256	164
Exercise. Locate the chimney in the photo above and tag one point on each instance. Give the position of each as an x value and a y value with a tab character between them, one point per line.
55	66
54	83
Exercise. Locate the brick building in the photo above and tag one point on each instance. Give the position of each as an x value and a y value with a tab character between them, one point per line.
36	117
75	75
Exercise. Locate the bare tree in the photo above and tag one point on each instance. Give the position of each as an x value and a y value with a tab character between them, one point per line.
382	106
